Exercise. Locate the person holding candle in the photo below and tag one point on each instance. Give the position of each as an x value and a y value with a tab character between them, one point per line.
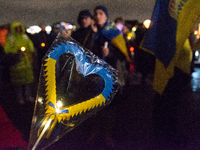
21	72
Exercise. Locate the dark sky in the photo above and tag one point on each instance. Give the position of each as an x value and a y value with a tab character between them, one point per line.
32	12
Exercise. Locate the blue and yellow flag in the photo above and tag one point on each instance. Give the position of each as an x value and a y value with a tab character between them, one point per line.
116	38
171	24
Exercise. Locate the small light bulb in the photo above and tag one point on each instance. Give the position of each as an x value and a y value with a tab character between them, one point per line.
40	100
134	28
59	104
197	53
147	23
195	32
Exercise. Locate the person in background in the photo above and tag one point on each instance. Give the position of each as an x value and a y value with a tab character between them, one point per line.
116	50
107	33
119	21
85	34
123	66
144	61
126	30
4	31
4	62
21	71
106	48
43	42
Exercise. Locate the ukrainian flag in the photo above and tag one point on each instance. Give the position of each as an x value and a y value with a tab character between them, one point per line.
171	24
116	38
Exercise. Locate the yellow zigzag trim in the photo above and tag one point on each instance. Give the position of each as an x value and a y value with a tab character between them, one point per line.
74	110
51	96
84	106
50	80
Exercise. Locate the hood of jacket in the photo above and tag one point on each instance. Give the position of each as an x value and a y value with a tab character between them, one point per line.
14	25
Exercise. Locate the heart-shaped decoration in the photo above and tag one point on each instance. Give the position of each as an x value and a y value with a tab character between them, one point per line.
74	84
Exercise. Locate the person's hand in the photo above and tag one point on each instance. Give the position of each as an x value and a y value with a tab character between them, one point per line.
105	51
94	26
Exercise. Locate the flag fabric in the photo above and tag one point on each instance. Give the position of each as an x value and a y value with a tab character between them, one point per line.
10	137
184	58
171	24
116	38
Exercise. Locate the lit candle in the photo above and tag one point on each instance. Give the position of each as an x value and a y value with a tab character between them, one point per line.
23	48
43	44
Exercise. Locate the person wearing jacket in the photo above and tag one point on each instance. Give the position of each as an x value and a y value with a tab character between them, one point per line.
87	30
110	46
21	71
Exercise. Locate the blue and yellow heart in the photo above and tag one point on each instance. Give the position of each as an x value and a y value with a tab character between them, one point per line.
98	77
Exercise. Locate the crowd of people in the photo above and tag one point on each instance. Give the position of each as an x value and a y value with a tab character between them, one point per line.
22	53
21	56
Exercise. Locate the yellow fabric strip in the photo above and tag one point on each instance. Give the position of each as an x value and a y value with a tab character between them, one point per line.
119	42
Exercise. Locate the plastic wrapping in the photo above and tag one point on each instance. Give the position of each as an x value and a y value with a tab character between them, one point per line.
74	84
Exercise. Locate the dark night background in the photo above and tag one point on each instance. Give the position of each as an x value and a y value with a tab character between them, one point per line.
33	12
